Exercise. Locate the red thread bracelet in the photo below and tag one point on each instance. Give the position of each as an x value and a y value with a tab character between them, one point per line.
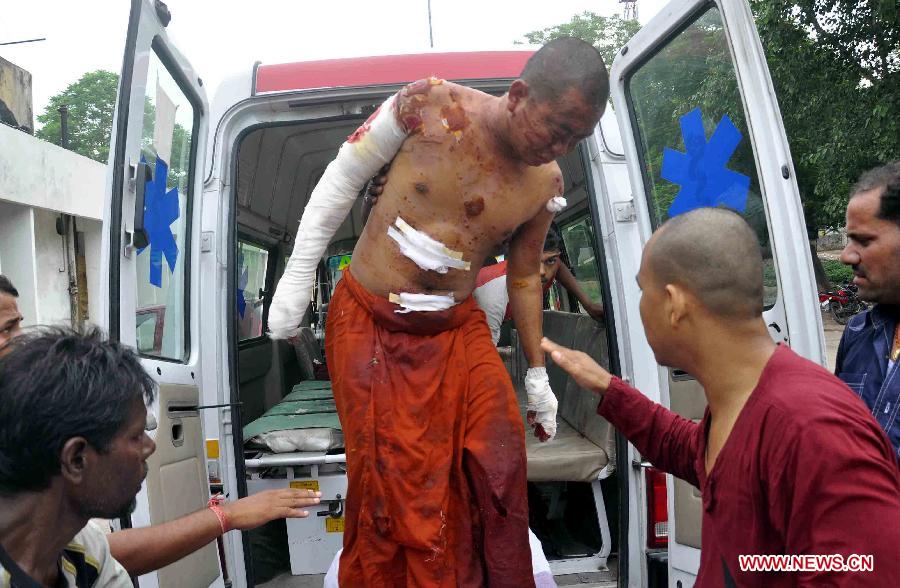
213	505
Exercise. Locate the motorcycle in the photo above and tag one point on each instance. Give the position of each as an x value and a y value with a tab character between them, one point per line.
842	303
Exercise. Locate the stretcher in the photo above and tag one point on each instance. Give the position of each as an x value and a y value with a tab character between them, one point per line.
305	420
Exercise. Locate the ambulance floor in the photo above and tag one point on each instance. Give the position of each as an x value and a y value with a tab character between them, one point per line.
603	579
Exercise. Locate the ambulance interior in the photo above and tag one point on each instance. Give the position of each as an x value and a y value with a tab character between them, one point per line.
290	427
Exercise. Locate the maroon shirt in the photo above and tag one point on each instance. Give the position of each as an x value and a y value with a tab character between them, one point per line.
806	470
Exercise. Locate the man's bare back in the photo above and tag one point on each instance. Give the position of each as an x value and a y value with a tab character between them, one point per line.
453	181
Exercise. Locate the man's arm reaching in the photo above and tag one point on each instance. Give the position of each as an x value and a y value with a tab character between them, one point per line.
667	440
565	277
372	146
145	549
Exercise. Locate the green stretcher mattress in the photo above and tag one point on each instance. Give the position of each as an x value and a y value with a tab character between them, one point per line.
304	420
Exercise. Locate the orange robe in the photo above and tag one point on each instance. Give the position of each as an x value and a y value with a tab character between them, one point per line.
435	447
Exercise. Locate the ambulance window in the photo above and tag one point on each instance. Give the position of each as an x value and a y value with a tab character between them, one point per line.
166	145
578	238
693	137
253	263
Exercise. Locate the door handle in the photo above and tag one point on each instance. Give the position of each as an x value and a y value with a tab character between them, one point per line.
143	174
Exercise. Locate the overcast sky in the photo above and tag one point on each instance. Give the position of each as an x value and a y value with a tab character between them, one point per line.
227	36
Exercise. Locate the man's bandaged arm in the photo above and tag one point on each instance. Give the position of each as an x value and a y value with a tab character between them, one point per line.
373	145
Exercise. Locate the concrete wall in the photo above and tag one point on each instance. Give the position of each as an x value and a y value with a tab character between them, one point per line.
15	97
50	261
38	182
40	174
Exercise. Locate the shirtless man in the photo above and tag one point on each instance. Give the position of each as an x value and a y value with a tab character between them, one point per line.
434	437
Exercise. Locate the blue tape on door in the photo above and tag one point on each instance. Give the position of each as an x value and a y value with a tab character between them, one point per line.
160	211
701	171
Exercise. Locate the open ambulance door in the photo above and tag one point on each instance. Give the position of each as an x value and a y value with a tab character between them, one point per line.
150	247
701	126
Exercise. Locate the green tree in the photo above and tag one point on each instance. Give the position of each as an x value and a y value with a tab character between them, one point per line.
91	102
607	33
835	65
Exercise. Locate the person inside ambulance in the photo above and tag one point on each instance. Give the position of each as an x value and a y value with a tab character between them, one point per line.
434	439
145	549
492	294
788	459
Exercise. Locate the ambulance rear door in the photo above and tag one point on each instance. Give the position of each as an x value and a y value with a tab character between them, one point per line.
151	250
701	126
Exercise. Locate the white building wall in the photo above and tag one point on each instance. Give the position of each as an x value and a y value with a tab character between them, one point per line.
38	182
42	175
17	258
50	262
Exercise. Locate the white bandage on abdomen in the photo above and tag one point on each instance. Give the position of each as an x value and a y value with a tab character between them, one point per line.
411	301
375	143
425	252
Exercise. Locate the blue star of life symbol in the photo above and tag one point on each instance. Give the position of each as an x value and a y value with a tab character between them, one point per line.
242	285
160	211
701	171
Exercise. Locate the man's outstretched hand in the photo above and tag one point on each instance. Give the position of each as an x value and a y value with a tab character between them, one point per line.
580	366
258	509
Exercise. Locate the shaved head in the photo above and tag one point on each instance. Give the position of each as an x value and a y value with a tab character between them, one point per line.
714	254
566	63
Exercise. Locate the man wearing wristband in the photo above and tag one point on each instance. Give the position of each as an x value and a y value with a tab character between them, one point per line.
73	447
788	459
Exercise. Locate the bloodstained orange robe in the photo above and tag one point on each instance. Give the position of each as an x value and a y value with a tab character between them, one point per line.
435	447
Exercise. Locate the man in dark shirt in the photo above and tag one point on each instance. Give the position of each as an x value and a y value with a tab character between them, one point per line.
789	461
868	355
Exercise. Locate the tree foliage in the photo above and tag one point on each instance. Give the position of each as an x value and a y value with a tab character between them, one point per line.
91	101
836	69
607	33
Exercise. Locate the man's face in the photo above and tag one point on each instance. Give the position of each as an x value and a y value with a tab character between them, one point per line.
873	249
545	130
115	477
655	310
549	265
10	319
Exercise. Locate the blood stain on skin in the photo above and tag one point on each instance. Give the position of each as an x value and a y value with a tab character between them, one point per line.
474	207
454	118
417	87
363	128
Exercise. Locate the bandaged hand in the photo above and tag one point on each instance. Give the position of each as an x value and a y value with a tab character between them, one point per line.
542	403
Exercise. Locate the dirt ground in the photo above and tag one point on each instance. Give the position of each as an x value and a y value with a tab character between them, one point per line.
833	332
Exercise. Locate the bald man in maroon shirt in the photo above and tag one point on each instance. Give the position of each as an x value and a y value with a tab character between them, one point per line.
788	459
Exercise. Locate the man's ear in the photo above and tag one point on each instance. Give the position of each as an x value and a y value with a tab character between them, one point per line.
678	304
518	91
74	458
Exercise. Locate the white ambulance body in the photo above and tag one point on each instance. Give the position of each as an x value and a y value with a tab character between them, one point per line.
203	205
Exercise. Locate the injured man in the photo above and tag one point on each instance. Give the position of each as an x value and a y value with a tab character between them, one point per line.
434	439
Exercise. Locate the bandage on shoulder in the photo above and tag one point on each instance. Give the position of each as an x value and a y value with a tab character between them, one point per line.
557	204
374	144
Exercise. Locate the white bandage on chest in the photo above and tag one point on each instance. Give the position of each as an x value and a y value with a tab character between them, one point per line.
556	204
425	252
375	144
410	302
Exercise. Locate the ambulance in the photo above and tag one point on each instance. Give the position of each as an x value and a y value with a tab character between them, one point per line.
202	209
